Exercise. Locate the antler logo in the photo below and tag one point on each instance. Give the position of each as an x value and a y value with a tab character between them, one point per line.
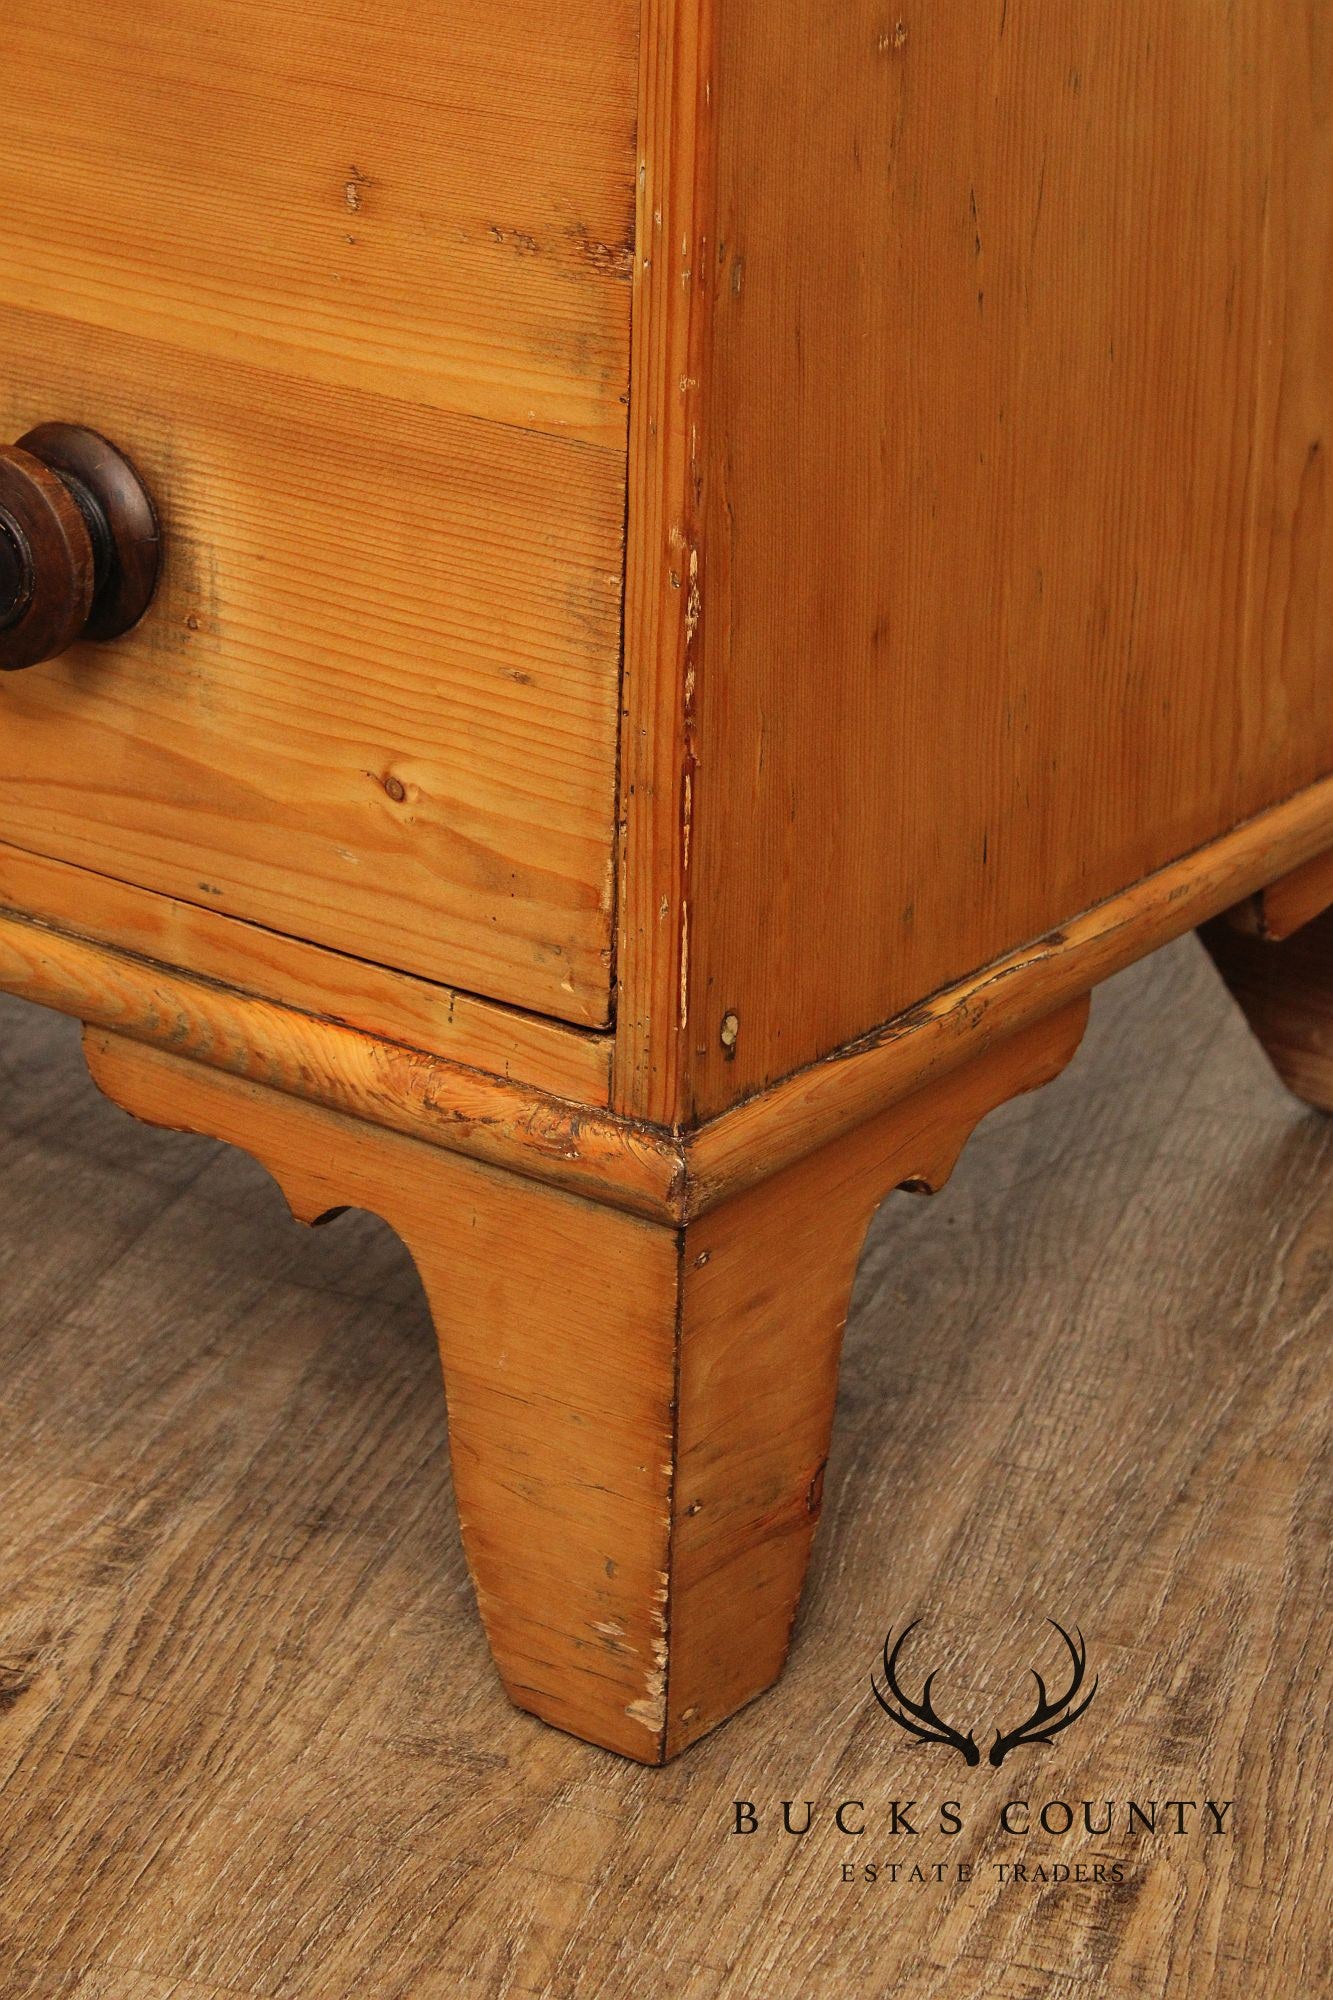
1049	1717
920	1719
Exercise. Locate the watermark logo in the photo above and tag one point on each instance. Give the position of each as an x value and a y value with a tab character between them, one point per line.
921	1720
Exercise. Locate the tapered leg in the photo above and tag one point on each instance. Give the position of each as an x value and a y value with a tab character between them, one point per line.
556	1320
1285	991
766	1284
639	1413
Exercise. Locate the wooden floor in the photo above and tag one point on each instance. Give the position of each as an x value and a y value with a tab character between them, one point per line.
250	1741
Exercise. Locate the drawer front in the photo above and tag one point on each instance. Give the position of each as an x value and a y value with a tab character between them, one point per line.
350	284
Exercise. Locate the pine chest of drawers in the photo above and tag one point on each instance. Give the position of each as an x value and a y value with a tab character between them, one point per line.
616	612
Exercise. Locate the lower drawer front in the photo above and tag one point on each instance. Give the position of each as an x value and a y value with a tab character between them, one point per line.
350	285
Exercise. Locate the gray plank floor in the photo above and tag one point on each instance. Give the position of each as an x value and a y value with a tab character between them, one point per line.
250	1740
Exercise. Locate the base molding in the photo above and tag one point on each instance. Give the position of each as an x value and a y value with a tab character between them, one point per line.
647	1170
382	1083
818	1104
169	932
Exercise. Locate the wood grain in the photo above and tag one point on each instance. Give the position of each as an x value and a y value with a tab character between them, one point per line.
1285	991
383	1083
446	220
556	1321
1007	475
374	704
766	1285
662	575
1294	900
523	1048
252	1743
818	1103
644	1169
633	1463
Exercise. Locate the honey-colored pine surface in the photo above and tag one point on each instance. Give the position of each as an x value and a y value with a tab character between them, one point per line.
520	1047
648	1450
657	750
767	1281
431	203
251	1743
374	703
319	1063
351	285
556	1321
54	951
1006	488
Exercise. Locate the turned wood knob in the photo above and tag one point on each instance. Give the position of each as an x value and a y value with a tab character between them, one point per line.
79	543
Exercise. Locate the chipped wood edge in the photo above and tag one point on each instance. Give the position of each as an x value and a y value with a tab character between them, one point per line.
646	1169
818	1104
383	1083
462	1027
670	336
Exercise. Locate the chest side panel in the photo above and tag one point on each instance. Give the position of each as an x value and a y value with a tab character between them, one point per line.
1017	540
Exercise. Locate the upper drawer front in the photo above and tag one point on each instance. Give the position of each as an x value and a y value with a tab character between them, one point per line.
350	281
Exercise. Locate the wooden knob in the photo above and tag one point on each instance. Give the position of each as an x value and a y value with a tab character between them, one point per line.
79	543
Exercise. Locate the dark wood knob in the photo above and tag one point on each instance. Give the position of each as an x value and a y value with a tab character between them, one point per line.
79	543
